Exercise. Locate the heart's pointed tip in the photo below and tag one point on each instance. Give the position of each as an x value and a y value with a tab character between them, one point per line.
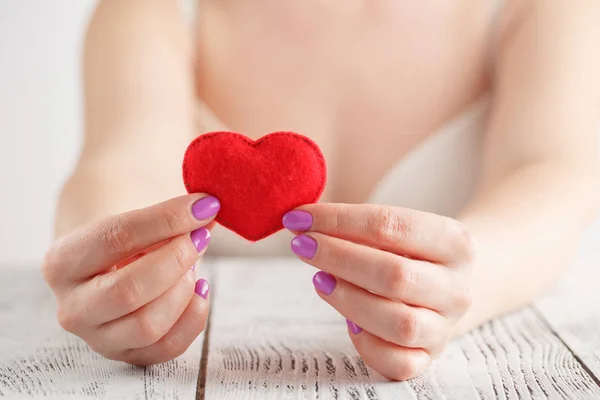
257	238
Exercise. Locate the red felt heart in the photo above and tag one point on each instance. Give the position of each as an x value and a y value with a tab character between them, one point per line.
257	182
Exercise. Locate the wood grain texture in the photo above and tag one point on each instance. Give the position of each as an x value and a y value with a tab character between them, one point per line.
572	310
39	360
272	337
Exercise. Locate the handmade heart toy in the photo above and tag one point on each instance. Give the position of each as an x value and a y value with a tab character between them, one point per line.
257	182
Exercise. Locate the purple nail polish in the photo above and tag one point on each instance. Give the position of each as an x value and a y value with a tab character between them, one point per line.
205	208
355	329
193	267
298	221
324	282
200	238
202	288
304	246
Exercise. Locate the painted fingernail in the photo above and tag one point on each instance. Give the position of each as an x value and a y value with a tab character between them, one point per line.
200	238
324	282
304	246
205	208
298	221
202	288
355	329
193	267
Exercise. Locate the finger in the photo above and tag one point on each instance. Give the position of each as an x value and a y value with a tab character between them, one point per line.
150	323
393	362
392	321
410	281
139	255
95	248
402	231
115	294
181	336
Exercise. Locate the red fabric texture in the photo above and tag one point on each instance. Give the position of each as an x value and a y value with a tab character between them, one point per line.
257	182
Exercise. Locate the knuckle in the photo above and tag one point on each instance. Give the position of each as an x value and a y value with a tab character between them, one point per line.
384	223
400	278
118	236
335	219
465	242
182	254
186	281
125	293
68	319
464	299
189	283
406	327
389	226
406	370
172	348
97	345
172	221
51	265
149	331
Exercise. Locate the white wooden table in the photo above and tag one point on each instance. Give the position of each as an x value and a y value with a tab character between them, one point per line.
270	337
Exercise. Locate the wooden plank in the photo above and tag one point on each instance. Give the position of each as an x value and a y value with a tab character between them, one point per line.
38	359
572	310
273	338
515	357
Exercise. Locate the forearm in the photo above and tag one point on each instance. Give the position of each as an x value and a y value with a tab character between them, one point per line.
97	190
526	225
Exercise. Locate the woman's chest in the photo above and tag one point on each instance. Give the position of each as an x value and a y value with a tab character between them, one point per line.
368	81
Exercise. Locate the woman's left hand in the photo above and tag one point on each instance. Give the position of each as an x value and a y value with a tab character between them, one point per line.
400	277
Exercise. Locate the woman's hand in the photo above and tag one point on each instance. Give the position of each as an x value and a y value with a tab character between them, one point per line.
400	277
126	284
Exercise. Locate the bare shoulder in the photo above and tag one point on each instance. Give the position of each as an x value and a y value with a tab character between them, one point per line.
578	17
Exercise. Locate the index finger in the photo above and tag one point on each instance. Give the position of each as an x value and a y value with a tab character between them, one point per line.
95	248
402	231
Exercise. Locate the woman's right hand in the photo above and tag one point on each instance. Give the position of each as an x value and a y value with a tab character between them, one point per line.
126	284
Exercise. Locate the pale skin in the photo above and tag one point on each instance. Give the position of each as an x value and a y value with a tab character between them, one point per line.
435	277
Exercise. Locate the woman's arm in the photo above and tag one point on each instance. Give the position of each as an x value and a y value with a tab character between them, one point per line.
540	185
139	110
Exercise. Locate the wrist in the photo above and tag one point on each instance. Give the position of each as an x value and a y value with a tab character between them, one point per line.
94	192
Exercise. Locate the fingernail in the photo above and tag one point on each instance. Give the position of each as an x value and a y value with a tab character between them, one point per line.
193	267
206	208
324	282
200	238
297	221
202	288
355	329
304	246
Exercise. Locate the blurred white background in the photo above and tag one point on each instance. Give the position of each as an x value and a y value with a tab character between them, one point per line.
40	119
